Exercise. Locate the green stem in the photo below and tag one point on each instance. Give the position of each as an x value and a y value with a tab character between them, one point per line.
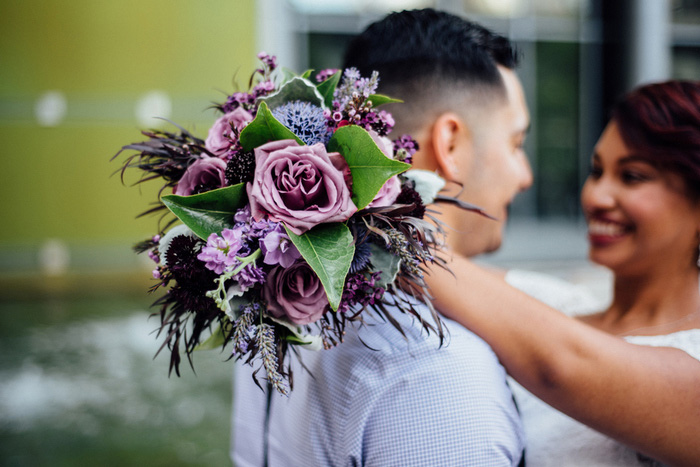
219	294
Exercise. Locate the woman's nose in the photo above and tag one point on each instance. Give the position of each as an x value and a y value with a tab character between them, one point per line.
597	194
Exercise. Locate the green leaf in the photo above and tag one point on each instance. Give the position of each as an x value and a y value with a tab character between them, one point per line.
307	74
214	341
327	88
328	248
263	129
385	262
369	166
209	212
296	89
381	99
294	339
297	335
283	74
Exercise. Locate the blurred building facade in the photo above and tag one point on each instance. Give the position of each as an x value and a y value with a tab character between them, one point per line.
79	79
579	56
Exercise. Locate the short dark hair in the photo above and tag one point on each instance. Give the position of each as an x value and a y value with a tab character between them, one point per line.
421	55
661	123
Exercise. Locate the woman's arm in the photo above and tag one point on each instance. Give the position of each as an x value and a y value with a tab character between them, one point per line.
645	397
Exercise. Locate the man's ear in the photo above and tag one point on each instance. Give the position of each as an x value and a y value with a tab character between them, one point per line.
448	137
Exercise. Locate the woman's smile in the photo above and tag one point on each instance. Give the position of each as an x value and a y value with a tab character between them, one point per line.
603	232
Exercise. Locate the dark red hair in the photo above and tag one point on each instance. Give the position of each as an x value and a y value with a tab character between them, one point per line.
661	122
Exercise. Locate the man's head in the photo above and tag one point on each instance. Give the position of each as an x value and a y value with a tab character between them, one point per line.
464	105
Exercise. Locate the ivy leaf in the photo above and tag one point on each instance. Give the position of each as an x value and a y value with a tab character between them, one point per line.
283	74
369	166
328	248
263	129
209	212
327	88
296	89
381	99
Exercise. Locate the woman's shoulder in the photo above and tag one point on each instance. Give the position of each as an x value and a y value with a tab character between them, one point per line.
571	299
687	341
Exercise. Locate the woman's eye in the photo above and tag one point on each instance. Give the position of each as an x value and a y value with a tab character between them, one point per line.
595	172
630	176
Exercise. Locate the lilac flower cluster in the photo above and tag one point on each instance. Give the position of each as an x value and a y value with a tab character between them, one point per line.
352	105
221	251
353	85
405	147
323	75
269	236
361	290
265	86
224	253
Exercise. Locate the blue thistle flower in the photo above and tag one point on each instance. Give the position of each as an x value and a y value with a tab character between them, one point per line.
362	256
305	120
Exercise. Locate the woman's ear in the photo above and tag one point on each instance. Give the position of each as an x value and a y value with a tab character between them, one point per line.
448	137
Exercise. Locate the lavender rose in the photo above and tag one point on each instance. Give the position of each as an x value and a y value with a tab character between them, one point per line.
391	189
387	194
207	172
221	137
383	143
302	186
295	293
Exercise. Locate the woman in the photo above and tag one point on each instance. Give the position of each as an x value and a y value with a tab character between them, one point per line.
631	372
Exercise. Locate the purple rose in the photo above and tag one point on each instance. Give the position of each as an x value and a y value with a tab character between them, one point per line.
391	189
207	171
383	143
295	293
221	137
299	185
387	193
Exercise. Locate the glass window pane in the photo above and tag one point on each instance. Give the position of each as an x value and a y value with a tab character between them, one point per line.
557	109
686	11
686	63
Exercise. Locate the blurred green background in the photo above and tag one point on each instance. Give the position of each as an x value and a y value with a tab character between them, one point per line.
104	58
79	79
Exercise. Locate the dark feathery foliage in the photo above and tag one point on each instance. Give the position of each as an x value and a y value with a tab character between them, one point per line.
186	300
411	197
163	155
240	168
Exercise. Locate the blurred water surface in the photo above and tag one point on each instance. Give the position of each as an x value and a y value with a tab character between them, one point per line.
79	386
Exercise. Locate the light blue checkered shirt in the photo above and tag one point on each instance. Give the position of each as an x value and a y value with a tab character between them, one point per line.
406	403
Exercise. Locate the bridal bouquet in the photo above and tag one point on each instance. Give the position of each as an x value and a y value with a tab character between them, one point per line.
295	216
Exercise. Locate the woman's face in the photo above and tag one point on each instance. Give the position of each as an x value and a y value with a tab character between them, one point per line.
638	216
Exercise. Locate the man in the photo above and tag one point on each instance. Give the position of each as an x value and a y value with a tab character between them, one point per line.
379	398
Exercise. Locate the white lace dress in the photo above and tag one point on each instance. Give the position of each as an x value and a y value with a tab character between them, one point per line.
554	439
